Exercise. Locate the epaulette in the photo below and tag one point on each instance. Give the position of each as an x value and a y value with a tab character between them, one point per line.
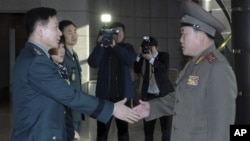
211	58
38	52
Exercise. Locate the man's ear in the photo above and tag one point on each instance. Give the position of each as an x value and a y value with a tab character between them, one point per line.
202	36
39	30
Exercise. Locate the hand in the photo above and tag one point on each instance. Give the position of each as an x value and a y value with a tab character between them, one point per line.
139	52
122	112
77	136
147	56
113	43
142	109
99	39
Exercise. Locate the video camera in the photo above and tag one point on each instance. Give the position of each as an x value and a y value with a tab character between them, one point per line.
107	35
146	47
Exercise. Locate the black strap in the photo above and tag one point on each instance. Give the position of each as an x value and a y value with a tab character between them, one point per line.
98	109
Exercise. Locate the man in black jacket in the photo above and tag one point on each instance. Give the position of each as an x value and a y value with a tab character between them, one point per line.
153	67
114	80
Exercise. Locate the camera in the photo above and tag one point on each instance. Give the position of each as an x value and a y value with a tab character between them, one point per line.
107	36
146	47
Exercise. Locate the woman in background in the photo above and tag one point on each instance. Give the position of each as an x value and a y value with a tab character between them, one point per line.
57	56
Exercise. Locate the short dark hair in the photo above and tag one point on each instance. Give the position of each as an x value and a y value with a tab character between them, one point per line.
63	24
35	15
150	42
117	24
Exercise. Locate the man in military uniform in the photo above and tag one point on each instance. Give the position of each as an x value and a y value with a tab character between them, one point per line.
203	105
39	93
71	62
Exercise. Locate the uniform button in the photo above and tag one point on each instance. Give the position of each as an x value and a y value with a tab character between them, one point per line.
64	112
54	137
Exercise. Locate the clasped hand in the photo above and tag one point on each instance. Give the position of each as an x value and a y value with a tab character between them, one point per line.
121	111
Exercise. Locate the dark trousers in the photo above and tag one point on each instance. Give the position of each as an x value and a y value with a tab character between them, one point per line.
103	130
69	124
149	127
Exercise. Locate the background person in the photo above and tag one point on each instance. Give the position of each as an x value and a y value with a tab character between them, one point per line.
152	65
114	79
57	56
71	62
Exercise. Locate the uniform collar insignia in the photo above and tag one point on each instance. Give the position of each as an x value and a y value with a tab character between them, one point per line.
211	58
68	52
207	54
38	52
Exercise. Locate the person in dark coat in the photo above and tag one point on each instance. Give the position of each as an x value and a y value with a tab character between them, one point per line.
114	80
39	93
152	65
204	102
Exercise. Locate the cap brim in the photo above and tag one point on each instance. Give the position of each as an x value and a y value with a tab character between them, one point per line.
195	10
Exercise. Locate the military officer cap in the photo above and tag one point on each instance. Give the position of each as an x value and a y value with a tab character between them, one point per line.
200	19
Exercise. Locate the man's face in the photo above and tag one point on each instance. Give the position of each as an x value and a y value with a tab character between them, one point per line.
70	34
50	33
120	37
190	41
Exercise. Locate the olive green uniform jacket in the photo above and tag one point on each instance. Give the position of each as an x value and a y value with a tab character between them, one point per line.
203	105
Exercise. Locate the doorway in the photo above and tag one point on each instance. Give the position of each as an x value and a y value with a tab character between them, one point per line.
12	40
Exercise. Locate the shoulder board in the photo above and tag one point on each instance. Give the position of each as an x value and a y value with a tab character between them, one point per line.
211	58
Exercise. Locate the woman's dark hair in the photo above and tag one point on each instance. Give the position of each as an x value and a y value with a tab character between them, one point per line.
53	51
37	15
63	24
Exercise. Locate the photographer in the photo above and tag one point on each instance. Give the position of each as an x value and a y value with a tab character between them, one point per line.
153	66
113	58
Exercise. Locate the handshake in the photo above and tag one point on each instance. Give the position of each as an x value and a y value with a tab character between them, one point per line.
121	111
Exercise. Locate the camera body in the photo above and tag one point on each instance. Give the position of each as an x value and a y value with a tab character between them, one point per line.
146	47
107	36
